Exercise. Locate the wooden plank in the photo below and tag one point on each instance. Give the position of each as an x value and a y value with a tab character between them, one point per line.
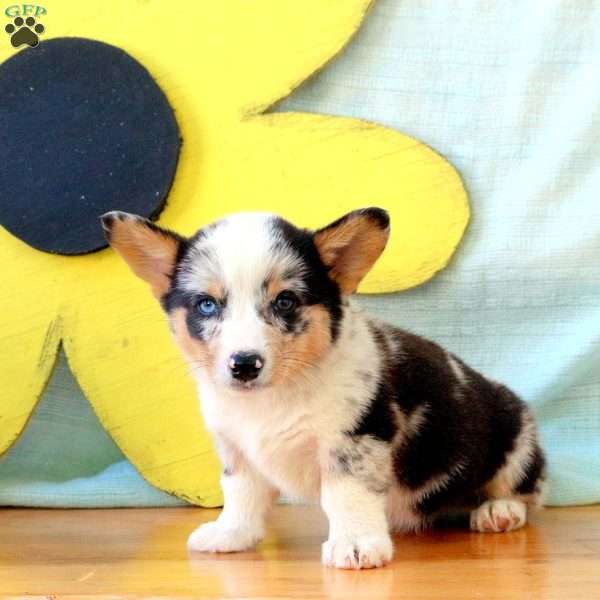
141	552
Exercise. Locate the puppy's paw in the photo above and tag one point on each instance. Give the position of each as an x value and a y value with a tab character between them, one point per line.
498	516
215	537
360	552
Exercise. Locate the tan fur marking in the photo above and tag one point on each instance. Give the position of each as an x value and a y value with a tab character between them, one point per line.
196	352
216	290
351	249
298	352
507	478
149	253
274	286
277	283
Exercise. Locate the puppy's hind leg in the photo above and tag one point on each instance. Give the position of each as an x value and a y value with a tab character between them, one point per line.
498	515
516	488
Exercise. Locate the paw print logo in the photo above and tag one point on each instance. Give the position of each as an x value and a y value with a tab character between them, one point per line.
24	32
237	154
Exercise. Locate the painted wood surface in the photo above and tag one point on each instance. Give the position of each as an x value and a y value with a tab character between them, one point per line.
221	65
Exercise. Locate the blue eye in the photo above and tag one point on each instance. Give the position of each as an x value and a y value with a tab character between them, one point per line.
207	306
286	302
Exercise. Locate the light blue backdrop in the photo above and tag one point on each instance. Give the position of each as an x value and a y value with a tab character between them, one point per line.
509	92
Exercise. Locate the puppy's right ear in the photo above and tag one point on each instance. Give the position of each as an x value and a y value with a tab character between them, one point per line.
149	250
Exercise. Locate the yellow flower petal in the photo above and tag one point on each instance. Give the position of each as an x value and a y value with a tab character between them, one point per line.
30	329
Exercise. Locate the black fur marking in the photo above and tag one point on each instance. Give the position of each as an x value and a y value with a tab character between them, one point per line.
378	421
453	520
380	216
176	298
162	230
107	221
296	326
476	433
533	474
199	327
377	215
458	493
320	288
354	459
342	460
467	435
291	322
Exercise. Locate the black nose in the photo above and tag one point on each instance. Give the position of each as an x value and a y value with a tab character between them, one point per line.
245	366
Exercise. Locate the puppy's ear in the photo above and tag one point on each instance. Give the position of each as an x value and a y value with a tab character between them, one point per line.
148	249
351	245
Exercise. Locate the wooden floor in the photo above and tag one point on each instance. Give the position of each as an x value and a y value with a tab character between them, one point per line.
142	553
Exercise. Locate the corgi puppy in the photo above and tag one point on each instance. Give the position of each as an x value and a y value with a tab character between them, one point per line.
308	396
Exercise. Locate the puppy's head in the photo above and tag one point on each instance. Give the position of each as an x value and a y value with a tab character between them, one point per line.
253	301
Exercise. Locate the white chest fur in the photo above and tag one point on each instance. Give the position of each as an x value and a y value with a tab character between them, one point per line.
278	438
285	433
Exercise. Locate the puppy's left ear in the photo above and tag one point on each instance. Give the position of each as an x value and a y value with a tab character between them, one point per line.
149	250
351	245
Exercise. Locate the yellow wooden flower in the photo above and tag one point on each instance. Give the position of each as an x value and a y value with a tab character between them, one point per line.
221	64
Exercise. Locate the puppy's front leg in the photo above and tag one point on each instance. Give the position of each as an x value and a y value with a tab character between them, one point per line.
248	498
355	484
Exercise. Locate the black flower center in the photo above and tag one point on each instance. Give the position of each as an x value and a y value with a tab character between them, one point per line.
84	129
